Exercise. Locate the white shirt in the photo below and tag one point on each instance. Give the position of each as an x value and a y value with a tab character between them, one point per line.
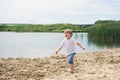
69	45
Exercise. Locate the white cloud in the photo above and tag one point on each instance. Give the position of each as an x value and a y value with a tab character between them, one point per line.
57	11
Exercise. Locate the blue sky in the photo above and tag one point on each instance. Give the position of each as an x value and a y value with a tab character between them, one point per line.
58	11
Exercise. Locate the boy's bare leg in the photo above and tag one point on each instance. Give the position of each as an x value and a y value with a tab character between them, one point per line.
72	67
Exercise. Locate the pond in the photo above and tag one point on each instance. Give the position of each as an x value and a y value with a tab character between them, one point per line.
37	44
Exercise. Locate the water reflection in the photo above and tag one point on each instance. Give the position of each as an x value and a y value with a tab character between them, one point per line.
102	43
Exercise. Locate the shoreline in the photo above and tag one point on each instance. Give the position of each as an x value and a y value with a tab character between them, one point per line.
99	65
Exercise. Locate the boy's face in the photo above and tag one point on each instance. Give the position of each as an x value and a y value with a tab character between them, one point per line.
67	35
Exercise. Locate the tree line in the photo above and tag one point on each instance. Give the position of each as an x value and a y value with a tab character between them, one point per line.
41	27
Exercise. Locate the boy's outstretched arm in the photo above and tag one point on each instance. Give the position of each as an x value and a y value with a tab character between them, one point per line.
59	49
80	45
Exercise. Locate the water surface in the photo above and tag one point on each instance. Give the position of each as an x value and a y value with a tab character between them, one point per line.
31	44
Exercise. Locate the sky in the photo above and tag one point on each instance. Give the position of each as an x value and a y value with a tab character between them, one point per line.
58	11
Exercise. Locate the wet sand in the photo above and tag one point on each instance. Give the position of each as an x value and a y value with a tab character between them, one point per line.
102	65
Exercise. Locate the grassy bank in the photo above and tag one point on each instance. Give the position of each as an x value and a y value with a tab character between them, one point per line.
41	27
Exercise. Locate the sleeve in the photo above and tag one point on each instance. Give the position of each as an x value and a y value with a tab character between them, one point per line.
75	41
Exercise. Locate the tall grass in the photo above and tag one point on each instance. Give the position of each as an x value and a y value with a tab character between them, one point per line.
105	30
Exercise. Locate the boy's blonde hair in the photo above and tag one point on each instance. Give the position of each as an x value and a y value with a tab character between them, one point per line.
68	31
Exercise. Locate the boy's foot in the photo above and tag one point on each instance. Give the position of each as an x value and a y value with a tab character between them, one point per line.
71	71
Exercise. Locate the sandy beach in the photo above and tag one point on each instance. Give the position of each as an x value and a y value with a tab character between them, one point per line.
102	65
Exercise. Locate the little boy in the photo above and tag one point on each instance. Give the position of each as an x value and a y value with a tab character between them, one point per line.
69	44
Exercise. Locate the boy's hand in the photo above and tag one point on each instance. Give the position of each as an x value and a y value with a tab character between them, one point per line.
83	48
56	52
